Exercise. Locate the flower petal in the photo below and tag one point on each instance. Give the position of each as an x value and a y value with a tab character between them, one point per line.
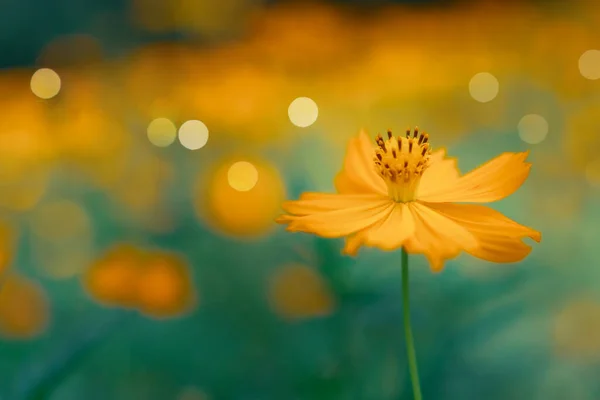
341	215
441	173
358	174
312	202
388	234
494	180
500	238
437	237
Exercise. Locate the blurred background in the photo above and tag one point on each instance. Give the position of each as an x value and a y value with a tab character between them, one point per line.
146	146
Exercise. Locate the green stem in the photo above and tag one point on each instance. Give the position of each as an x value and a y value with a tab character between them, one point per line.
410	346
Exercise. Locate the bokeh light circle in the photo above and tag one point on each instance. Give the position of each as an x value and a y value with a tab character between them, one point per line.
303	112
589	64
242	176
59	220
239	213
45	83
62	238
193	134
161	132
533	128
484	87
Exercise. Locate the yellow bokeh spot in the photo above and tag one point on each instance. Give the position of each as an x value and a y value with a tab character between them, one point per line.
533	128
62	241
26	140
59	220
164	287
297	291
589	64
592	172
242	176
240	213
161	132
111	279
483	87
193	134
24	308
45	83
577	329
64	259
303	112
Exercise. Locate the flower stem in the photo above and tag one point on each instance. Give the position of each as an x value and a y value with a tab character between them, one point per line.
410	346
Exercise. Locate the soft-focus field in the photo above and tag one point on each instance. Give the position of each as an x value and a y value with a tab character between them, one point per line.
145	154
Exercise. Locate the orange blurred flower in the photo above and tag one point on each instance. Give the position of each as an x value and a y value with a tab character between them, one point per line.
241	213
25	140
88	128
163	287
111	278
7	237
157	284
399	194
24	310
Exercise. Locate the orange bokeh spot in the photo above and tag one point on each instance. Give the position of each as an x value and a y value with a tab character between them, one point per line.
297	291
112	278
6	246
25	140
164	286
24	310
241	213
155	283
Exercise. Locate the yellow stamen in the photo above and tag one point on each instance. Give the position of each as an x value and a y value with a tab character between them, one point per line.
401	163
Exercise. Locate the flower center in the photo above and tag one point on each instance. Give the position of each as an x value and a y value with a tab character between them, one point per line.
401	161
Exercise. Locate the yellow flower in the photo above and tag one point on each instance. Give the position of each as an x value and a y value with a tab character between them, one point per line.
400	194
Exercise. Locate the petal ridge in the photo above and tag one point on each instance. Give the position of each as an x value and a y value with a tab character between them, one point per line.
500	238
492	181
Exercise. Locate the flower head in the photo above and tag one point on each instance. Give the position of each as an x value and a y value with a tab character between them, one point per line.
401	163
399	193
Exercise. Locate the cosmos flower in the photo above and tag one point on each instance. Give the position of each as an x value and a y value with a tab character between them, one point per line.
399	193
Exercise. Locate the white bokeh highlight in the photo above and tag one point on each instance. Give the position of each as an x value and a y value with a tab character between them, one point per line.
303	112
589	64
45	83
533	128
484	87
193	134
161	132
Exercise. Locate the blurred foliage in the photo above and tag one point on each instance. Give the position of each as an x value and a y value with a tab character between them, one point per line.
130	271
